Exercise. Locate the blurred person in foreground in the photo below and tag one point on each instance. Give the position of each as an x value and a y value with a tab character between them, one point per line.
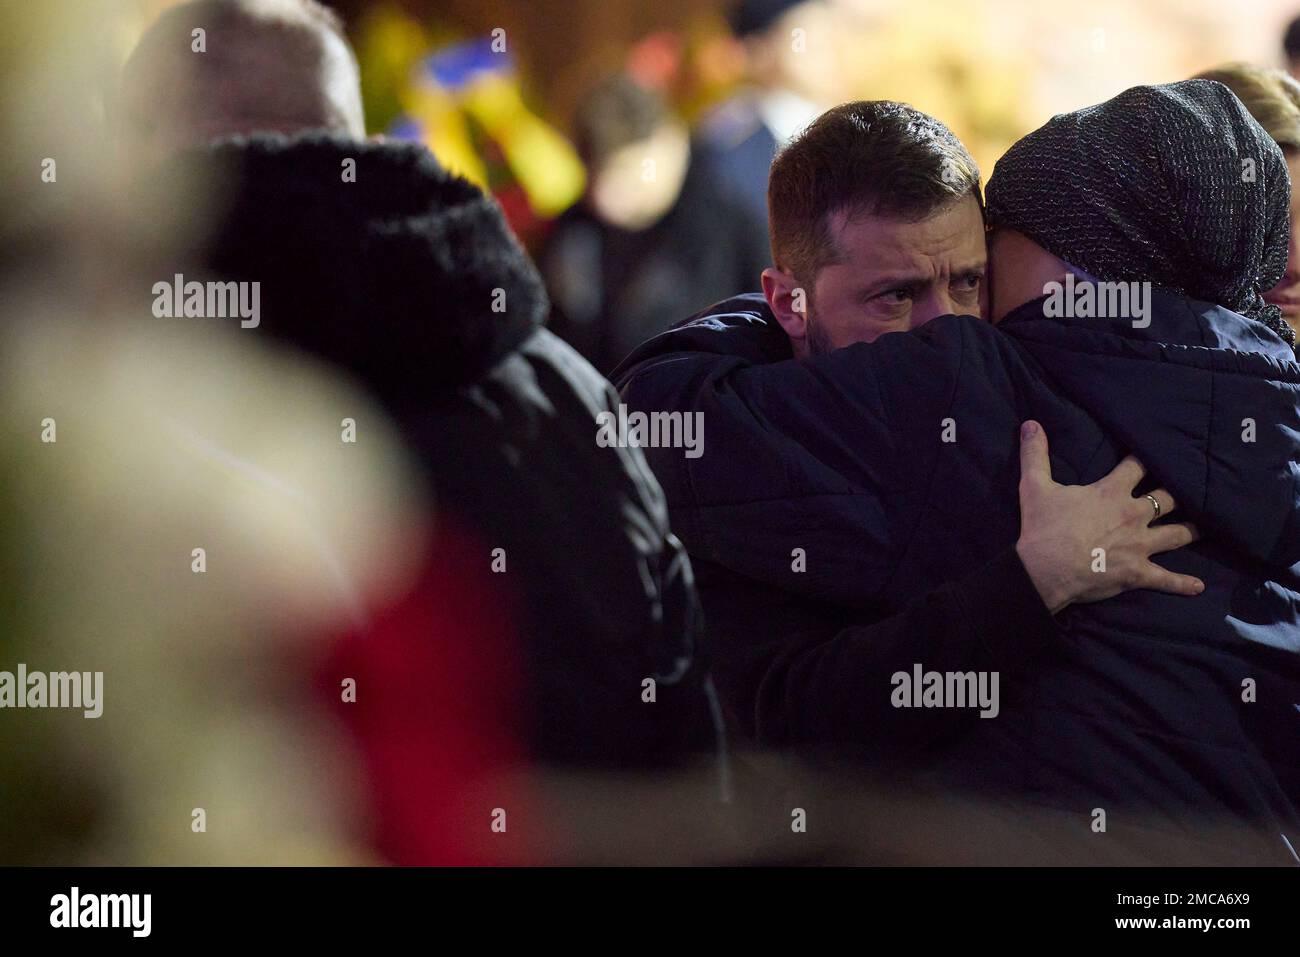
653	236
138	543
1273	99
1160	724
555	619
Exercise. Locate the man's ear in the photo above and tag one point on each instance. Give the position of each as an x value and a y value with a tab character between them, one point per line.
789	303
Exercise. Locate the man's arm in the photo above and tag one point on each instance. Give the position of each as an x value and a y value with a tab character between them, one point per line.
816	682
792	676
810	454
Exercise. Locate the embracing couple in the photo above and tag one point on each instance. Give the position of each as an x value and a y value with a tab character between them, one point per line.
873	504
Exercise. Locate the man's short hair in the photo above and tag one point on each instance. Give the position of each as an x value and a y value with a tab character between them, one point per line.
867	158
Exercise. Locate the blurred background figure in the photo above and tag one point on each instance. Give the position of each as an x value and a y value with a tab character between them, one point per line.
741	135
1291	47
1273	97
654	236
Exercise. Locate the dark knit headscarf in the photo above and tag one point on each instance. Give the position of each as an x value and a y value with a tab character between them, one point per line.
1175	185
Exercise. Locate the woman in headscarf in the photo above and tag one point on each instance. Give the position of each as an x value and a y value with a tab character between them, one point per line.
1177	723
1175	185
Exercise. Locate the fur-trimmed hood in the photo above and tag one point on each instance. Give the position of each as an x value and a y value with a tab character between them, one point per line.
403	273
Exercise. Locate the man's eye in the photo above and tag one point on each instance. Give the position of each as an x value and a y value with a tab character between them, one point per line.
970	283
896	297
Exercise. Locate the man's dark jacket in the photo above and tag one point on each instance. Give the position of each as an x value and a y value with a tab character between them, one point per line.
407	278
893	467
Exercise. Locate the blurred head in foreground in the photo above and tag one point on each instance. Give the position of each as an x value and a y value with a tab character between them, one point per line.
216	68
183	520
1273	98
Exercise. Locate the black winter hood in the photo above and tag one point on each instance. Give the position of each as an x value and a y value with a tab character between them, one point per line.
408	275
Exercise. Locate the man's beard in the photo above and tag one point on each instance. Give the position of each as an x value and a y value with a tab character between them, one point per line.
819	343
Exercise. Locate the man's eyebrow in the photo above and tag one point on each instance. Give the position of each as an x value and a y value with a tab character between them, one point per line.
895	281
912	280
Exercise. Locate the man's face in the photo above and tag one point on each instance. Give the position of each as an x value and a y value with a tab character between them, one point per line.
893	276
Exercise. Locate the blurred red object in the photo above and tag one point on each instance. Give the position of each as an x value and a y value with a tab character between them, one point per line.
438	713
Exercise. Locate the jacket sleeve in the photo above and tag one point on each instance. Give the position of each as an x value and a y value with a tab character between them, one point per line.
832	458
798	516
791	675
